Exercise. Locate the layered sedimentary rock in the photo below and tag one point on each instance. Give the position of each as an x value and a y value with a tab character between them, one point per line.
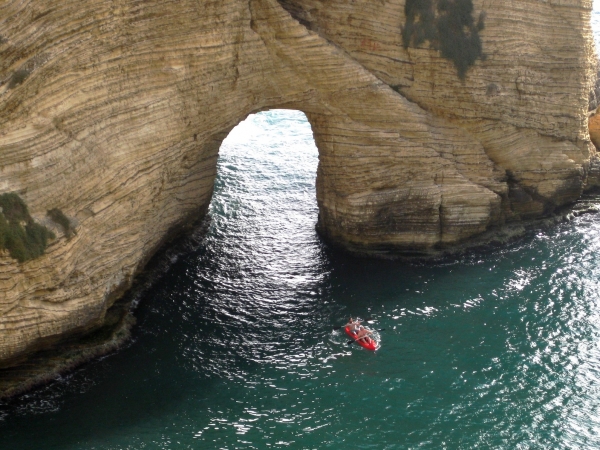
113	113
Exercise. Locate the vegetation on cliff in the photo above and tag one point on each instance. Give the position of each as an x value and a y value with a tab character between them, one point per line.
448	26
19	234
59	217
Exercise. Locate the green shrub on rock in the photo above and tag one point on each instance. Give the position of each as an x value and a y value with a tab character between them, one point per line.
59	217
19	234
448	26
14	208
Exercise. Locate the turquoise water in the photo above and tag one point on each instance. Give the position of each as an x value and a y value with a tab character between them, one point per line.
235	346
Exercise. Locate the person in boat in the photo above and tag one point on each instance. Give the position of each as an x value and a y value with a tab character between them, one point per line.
354	325
363	335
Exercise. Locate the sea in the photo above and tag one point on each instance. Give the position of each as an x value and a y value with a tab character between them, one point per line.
238	343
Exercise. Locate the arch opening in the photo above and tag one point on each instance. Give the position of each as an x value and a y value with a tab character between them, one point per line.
264	200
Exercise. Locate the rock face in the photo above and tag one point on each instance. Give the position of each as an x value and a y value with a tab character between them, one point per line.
435	120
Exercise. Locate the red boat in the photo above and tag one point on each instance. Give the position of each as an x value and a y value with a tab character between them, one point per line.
366	342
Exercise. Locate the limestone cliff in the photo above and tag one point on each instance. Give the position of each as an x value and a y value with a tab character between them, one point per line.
435	120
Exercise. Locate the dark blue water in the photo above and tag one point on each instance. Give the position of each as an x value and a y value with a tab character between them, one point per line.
235	346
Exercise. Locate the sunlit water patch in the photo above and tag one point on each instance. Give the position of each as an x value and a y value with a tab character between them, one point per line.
238	346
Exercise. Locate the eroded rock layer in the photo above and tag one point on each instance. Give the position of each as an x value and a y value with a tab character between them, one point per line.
113	113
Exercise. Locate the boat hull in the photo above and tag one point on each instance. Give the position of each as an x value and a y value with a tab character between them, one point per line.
368	343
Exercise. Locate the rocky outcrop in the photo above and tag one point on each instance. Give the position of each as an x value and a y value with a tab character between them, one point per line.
113	113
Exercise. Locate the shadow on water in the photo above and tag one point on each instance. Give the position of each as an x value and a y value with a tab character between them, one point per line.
362	283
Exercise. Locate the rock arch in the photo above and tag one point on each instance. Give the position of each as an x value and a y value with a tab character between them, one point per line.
114	113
